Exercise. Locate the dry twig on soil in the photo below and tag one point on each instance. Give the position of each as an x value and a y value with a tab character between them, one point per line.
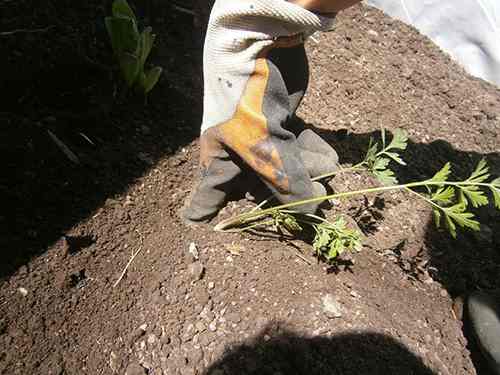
130	261
26	31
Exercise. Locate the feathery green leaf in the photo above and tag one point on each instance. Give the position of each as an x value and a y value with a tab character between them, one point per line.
495	190
394	156
437	217
371	153
444	195
480	174
386	176
333	239
443	174
457	214
475	195
399	140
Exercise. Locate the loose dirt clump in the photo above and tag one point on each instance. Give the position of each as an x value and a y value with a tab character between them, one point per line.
198	302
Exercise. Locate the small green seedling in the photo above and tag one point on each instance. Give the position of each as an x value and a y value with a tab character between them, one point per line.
450	201
132	48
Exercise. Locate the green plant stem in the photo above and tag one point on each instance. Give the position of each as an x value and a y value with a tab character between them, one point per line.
238	230
421	196
356	167
238	220
340	170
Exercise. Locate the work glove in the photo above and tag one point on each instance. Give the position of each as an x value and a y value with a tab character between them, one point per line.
255	75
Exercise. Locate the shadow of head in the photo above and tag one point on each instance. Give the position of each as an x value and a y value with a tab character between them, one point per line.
286	352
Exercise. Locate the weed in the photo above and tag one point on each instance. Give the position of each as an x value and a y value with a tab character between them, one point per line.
450	200
132	47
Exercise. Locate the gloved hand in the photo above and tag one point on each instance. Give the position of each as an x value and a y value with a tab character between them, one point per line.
255	75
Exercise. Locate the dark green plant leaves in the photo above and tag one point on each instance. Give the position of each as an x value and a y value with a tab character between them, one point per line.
287	221
333	239
150	79
130	67
123	35
121	8
131	48
146	40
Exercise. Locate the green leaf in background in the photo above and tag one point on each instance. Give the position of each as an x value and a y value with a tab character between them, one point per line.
130	67
147	39
131	48
123	35
151	78
121	8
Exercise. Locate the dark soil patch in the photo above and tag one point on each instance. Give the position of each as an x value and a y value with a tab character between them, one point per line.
256	307
60	81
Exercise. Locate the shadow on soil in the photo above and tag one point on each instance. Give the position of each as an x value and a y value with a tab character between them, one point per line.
462	265
285	352
467	263
61	82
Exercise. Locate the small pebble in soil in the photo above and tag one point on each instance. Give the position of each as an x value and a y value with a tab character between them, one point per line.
138	333
187	371
200	326
195	355
233	317
354	294
211	285
196	270
212	326
331	307
23	291
151	339
193	251
135	369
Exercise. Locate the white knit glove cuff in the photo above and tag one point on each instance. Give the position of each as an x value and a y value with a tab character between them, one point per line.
238	31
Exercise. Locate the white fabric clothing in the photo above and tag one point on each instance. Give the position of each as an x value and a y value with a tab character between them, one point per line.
469	30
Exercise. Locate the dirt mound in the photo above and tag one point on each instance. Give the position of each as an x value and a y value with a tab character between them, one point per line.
237	303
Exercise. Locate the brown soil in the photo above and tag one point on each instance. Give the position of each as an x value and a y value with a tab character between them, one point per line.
251	304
